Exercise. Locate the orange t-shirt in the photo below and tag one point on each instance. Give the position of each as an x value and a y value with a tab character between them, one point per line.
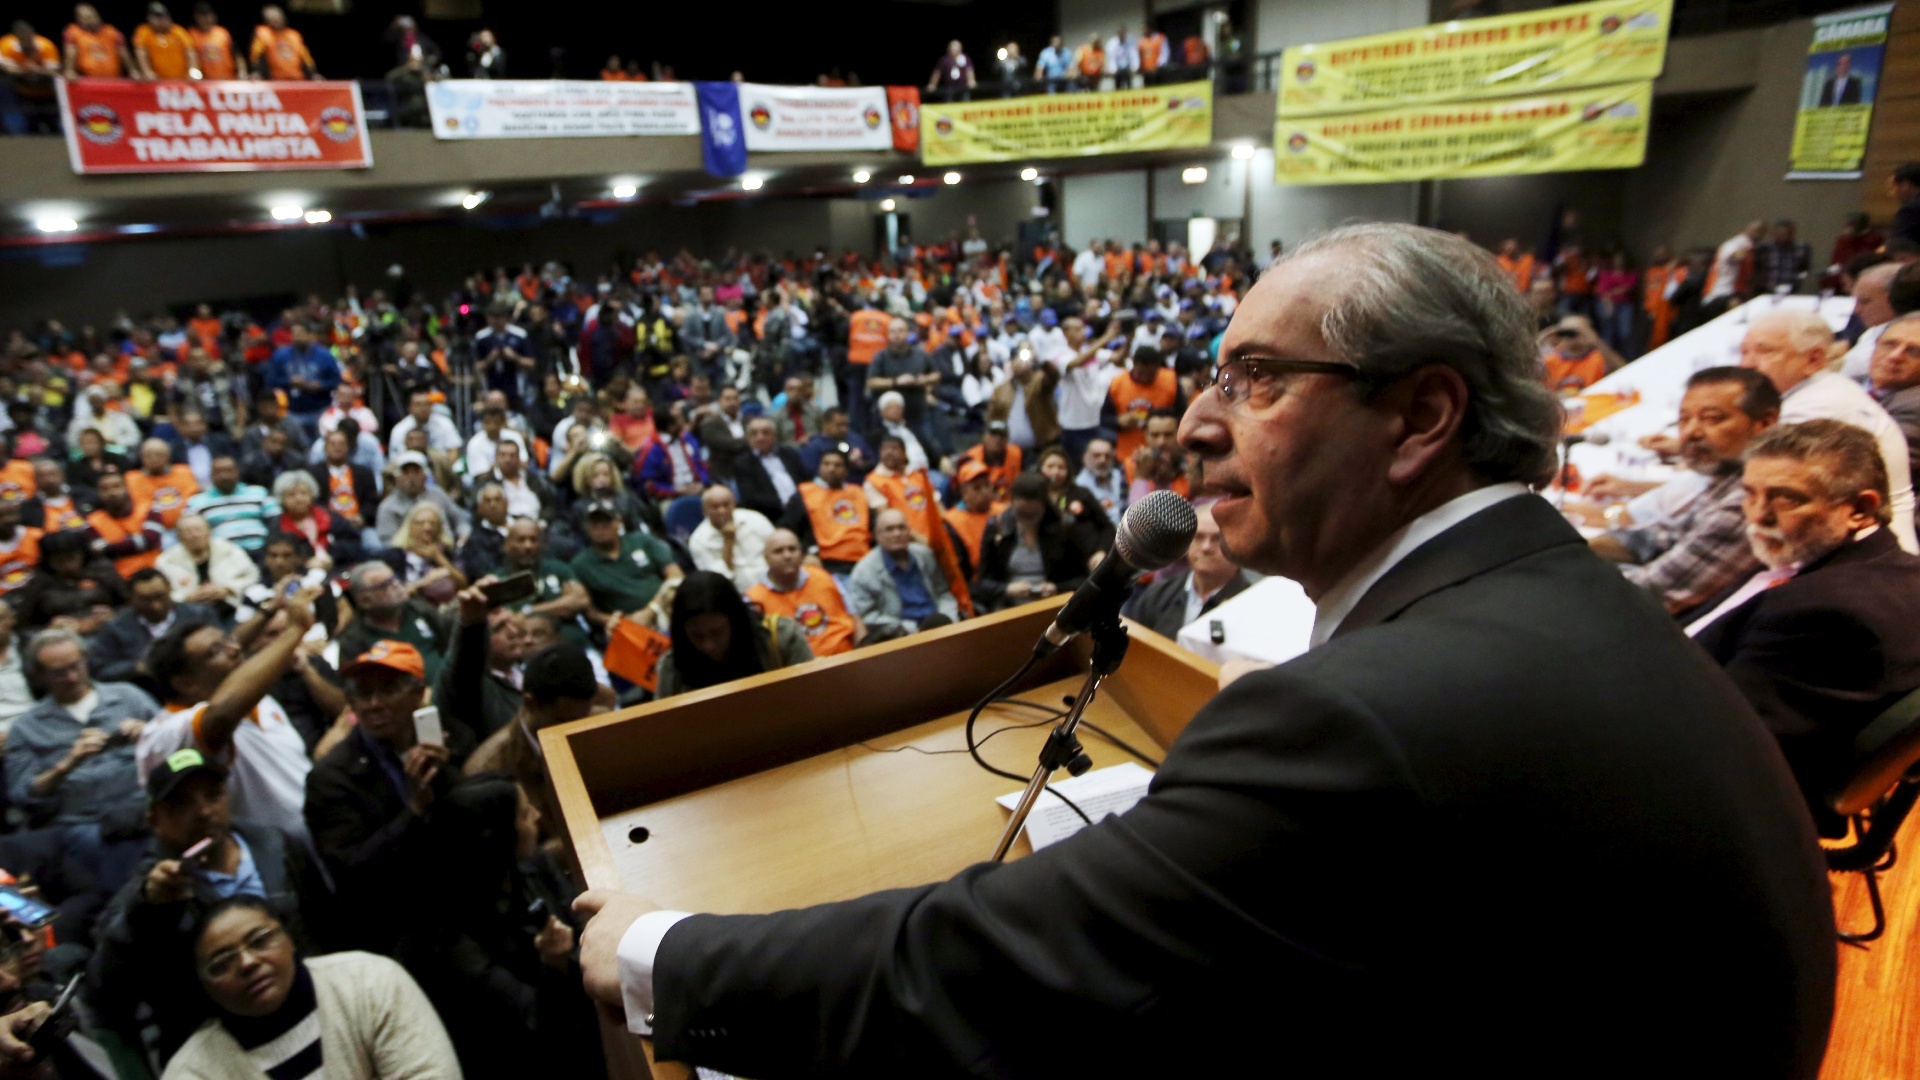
839	520
817	606
1520	270
1118	264
166	494
13	52
167	54
1575	374
866	335
16	481
215	47
283	53
18	557
113	530
97	52
1092	61
1132	399
208	333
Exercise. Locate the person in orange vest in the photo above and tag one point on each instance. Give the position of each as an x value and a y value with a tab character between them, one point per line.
911	492
866	337
162	48
831	517
1159	464
123	530
809	597
978	506
1662	270
1002	459
95	50
1155	55
1147	385
613	72
52	506
1090	60
19	548
279	52
17	478
160	484
1517	264
1574	273
218	60
1573	355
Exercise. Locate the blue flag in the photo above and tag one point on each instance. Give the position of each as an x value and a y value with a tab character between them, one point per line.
723	142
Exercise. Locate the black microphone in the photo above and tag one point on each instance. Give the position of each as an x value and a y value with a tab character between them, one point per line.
1153	533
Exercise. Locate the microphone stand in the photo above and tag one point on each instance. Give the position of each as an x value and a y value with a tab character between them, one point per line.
1062	749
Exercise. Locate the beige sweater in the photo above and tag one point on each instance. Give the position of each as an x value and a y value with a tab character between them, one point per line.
375	1024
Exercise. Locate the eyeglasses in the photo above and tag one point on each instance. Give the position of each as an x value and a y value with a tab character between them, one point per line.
223	963
1238	378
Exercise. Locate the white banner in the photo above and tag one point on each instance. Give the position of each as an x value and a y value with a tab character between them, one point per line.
815	117
552	109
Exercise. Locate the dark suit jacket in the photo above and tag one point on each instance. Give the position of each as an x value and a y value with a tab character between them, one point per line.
756	487
1162	606
116	649
1904	407
365	488
218	443
1822	655
1507	816
1850	95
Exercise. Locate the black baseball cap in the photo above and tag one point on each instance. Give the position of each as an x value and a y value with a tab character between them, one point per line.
176	768
605	508
560	670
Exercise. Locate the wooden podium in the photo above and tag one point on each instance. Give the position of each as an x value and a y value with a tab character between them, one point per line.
797	787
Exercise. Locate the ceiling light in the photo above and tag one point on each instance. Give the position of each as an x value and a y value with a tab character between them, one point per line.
906	178
318	217
888	205
475	198
625	191
1195	175
1029	173
1243	151
862	176
55	224
751	183
286	212
951	179
1001	54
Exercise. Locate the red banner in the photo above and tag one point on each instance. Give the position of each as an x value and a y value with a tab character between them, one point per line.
903	104
122	126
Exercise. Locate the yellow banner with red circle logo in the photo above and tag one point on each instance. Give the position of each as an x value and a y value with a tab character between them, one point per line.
1551	49
1603	128
1067	125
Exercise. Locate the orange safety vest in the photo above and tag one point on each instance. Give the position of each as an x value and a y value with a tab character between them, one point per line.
215	47
61	514
839	521
1151	46
16	481
113	530
866	335
972	527
341	498
913	495
1654	299
1002	473
1118	263
1092	61
816	605
1132	399
18	558
283	53
96	52
167	494
166	53
1575	374
1520	270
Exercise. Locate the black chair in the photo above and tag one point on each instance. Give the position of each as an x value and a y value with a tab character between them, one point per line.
1884	786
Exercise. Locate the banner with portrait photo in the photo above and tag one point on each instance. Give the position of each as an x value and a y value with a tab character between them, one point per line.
1067	125
1836	93
1603	128
559	108
777	118
1549	50
127	126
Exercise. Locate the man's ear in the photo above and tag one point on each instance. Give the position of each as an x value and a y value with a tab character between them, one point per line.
1431	406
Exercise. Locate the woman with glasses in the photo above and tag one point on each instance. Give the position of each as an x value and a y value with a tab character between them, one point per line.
347	1016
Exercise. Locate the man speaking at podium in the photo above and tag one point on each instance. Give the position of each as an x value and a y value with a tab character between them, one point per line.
1502	819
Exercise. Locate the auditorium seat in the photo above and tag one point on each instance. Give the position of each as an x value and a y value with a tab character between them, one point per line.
1885	785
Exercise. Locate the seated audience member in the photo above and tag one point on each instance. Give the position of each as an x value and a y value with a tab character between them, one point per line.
71	584
272	456
193	446
241	514
488	537
722	429
896	483
96	460
1080	510
672	465
1160	465
621	572
1701	548
204	569
633	425
117	648
334	540
1822	640
527	491
410	490
730	541
831	515
1002	460
70	758
1098	475
364	449
716	639
1176	600
19	548
892	410
976	509
557	593
371	800
56	504
1574	356
807	596
349	1015
794	413
480	683
898	588
128	532
596	479
1028	552
15	696
159	484
1895	372
347	406
766	473
558	686
485	442
836	434
422	554
383	610
1794	349
218	704
442	437
351	491
145	929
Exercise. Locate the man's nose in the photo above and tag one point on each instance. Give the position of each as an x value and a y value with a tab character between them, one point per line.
1203	430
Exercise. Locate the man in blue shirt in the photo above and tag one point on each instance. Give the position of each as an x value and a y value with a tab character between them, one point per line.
307	371
1055	66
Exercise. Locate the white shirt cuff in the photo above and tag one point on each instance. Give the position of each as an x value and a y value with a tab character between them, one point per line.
638	946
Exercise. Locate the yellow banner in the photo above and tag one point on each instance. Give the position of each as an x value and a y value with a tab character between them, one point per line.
1845	65
1067	125
1604	128
1545	51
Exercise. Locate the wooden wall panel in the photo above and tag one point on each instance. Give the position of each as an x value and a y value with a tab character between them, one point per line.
1895	136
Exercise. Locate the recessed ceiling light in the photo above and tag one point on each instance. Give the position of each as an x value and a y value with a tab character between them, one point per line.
1195	175
951	178
318	217
54	224
888	205
1243	151
1029	173
475	198
286	212
862	176
751	183
625	191
906	178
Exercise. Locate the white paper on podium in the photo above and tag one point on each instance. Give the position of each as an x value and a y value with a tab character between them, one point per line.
1112	790
1271	622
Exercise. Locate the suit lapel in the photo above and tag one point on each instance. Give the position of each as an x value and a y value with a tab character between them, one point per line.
1500	534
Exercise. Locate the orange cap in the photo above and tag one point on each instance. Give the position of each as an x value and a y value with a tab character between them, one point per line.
396	655
968	470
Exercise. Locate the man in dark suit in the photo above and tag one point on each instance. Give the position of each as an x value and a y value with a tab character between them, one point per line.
194	446
116	649
1844	88
1501	818
1895	371
767	474
338	466
1178	599
1824	639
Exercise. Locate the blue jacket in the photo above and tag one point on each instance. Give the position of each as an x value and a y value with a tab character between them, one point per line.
316	364
655	468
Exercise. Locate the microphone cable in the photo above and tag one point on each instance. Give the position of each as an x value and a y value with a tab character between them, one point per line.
973	747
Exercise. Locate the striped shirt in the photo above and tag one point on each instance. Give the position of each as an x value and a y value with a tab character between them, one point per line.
240	516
